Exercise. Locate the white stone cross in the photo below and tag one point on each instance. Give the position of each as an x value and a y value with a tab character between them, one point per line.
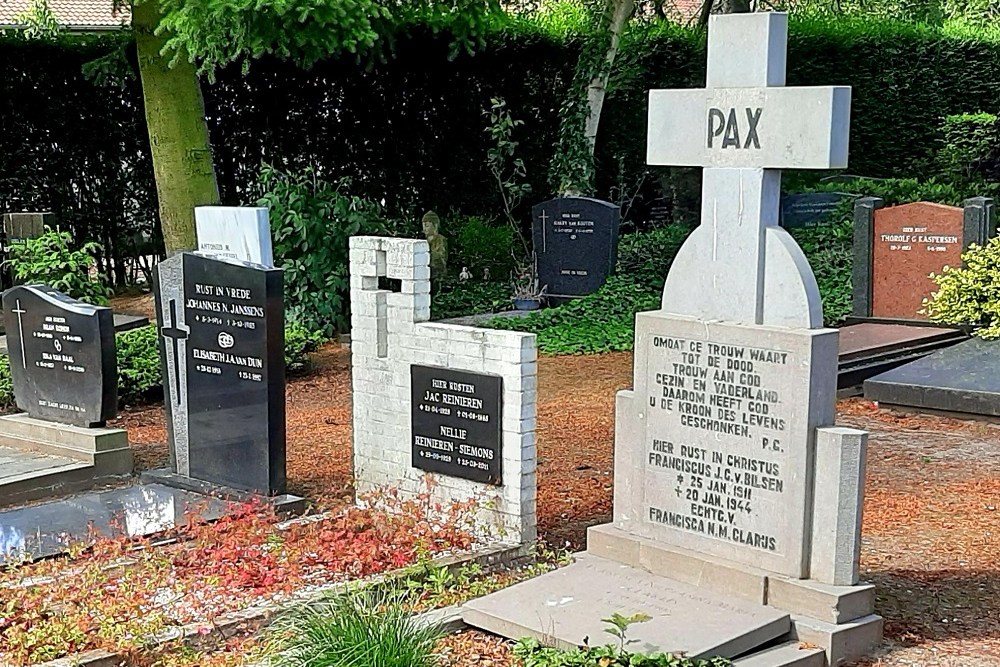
738	265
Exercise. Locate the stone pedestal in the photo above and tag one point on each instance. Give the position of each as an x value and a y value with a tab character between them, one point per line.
46	459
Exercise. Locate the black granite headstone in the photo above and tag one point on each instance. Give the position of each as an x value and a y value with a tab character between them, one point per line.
457	423
222	346
811	209
62	356
576	244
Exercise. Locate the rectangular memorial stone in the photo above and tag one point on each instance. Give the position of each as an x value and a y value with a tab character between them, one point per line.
811	209
22	226
222	345
62	356
235	232
721	462
576	244
898	247
457	423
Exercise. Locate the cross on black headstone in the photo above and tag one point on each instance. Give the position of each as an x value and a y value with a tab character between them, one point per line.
175	333
20	330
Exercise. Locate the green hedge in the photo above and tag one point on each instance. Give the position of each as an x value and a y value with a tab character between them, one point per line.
411	130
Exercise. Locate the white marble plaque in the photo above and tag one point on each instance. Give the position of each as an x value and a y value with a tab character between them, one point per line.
725	437
234	232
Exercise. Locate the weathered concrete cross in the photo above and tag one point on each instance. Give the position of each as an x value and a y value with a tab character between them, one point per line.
743	128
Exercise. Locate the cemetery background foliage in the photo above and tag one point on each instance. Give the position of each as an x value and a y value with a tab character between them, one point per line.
77	144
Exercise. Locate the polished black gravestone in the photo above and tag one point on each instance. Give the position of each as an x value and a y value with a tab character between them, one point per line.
811	209
576	244
457	423
62	356
222	348
964	378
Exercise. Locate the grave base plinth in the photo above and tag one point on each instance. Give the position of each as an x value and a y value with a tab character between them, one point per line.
700	604
285	504
44	459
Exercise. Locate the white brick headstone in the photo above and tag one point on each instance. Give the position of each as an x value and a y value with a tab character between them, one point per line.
235	232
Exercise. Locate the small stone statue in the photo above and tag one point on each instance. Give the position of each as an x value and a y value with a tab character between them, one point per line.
486	274
465	274
438	244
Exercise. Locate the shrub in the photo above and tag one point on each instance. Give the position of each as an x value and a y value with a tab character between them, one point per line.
371	627
646	258
453	298
311	222
905	190
6	384
480	245
968	142
970	294
300	342
139	372
51	260
830	251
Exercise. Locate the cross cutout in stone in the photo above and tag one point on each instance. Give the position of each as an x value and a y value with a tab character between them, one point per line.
743	128
175	334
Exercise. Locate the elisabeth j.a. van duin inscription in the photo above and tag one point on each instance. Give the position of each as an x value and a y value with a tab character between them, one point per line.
729	413
62	356
222	327
457	423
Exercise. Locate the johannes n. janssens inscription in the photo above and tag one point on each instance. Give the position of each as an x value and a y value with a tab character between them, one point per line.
717	438
222	329
457	423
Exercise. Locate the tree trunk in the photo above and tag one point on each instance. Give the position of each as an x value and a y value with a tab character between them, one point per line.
178	133
620	13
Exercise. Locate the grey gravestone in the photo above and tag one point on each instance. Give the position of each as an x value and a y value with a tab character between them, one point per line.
457	423
725	453
22	226
222	345
811	209
62	356
235	232
576	244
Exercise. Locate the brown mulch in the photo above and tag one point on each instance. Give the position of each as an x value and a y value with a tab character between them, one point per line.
135	304
931	537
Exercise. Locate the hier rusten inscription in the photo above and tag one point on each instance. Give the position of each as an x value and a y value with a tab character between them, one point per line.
457	423
909	243
62	356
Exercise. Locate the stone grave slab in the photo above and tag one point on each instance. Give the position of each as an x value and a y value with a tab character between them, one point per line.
896	249
62	356
566	606
964	378
222	339
870	348
23	226
46	529
811	209
235	232
576	244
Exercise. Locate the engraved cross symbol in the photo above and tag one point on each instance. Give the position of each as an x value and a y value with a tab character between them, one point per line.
742	128
175	334
20	330
544	216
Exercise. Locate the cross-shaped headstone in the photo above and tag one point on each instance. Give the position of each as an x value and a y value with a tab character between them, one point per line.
743	128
